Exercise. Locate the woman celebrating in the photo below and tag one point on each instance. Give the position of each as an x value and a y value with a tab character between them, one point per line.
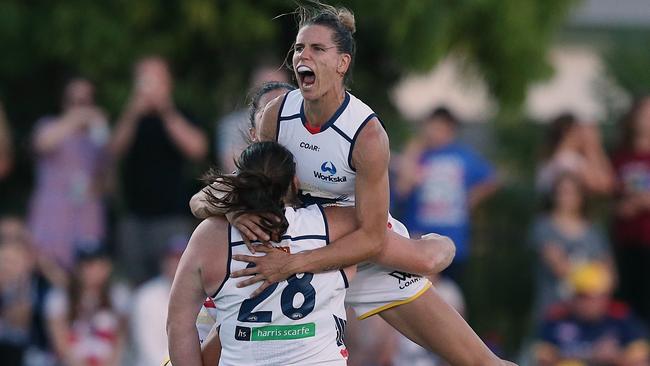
297	322
342	154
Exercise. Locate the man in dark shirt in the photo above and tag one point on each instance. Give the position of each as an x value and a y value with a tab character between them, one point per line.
155	142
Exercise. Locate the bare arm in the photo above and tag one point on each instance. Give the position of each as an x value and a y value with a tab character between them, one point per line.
481	192
248	224
199	203
211	348
556	259
408	171
51	135
126	126
59	333
192	281
631	204
189	139
370	157
597	173
427	256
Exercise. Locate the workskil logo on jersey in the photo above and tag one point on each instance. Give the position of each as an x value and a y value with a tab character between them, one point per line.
327	173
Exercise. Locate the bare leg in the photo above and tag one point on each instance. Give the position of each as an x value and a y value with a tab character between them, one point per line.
211	348
433	324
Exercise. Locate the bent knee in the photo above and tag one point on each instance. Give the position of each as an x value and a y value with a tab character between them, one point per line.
439	253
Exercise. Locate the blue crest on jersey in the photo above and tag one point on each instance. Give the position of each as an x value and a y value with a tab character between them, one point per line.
328	169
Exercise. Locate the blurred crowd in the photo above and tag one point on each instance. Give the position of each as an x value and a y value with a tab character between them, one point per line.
80	287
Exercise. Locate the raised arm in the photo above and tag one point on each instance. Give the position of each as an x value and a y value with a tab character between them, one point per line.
248	225
189	139
370	157
193	281
50	136
126	127
199	205
266	131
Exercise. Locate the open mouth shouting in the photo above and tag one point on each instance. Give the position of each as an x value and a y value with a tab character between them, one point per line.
306	76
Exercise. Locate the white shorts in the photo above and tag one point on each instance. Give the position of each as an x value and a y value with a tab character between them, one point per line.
376	288
207	319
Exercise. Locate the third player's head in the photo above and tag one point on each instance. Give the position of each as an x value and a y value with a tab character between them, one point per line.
260	98
324	50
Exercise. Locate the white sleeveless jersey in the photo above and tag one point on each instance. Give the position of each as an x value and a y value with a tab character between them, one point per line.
300	321
324	167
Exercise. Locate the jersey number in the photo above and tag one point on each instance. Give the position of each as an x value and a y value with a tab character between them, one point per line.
295	286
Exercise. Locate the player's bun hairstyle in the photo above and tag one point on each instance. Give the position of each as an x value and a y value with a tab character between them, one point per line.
264	177
339	19
257	95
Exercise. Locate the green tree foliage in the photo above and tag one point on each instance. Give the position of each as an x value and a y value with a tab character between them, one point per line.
213	45
627	60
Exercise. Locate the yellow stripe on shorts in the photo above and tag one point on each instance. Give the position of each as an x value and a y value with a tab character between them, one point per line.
396	303
167	362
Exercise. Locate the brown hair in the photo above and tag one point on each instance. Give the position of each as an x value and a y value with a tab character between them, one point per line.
75	289
550	200
257	95
339	19
264	177
556	132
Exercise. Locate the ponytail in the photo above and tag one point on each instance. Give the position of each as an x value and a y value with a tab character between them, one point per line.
263	181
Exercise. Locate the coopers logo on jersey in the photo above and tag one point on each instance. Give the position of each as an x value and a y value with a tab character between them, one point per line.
328	173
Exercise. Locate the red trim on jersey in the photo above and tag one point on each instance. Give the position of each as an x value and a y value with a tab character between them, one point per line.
208	303
618	310
312	129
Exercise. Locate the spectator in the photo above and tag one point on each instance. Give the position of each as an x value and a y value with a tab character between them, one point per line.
576	148
15	302
85	321
156	141
66	205
232	130
591	329
6	150
23	286
442	181
632	213
12	228
149	315
564	237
